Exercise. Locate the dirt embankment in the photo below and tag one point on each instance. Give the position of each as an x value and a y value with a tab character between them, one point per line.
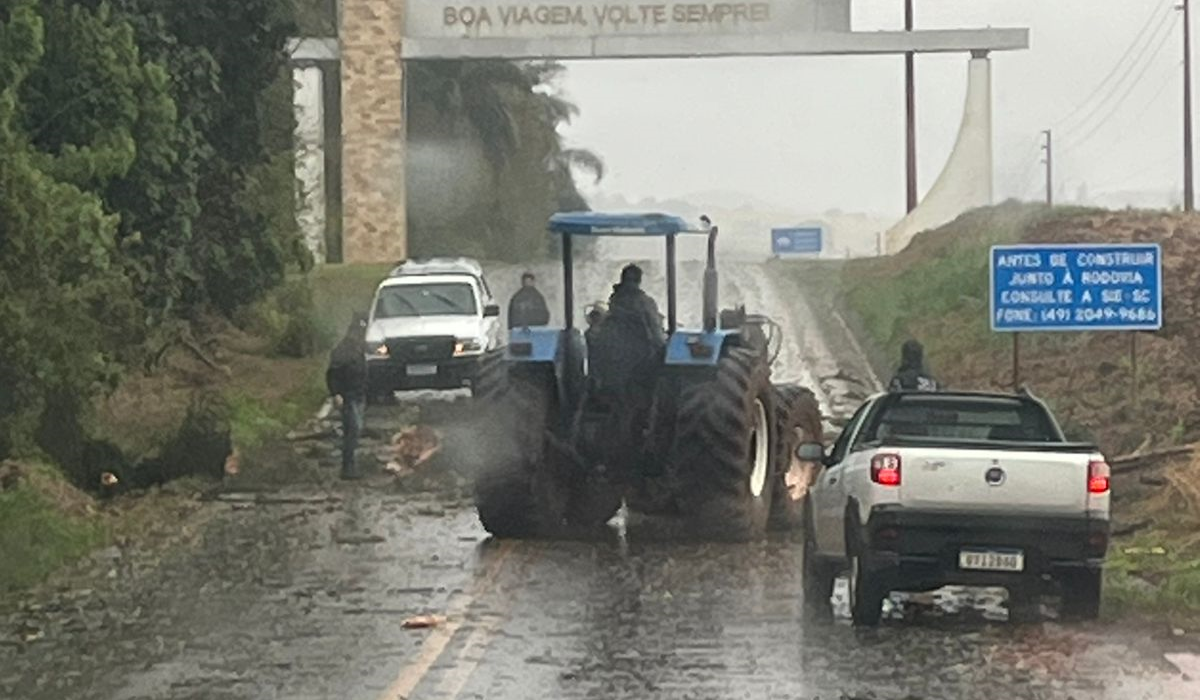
936	291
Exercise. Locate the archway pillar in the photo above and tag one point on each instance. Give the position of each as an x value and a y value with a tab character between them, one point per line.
375	227
966	180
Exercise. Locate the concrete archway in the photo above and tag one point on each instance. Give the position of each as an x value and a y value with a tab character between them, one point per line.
376	38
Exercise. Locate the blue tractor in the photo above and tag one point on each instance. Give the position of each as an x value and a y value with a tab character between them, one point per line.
674	422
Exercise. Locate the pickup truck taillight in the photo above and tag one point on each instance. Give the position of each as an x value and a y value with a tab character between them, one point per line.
1098	476
885	470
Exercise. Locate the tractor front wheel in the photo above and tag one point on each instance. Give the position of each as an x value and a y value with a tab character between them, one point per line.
797	420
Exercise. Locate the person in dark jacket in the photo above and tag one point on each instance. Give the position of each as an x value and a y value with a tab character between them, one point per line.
635	308
346	380
528	307
912	375
594	315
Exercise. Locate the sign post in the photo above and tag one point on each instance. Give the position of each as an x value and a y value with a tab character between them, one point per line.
1080	287
1016	358
1133	367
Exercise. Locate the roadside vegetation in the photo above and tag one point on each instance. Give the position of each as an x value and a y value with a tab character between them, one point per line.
47	521
159	314
936	291
145	183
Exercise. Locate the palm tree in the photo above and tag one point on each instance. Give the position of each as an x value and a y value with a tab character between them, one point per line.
513	112
472	93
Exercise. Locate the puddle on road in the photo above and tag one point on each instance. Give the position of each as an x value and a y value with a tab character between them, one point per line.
990	604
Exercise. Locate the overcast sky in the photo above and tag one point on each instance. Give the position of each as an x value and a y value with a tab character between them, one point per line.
828	132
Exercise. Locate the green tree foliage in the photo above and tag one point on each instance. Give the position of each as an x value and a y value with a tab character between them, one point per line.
67	312
145	175
232	178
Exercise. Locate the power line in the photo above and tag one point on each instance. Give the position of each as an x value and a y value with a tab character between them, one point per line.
1116	66
1075	143
1130	178
1157	42
1169	80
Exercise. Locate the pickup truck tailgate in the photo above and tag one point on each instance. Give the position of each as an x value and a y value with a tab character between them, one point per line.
1011	481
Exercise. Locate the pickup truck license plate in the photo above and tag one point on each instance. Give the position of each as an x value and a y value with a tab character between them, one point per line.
991	560
422	370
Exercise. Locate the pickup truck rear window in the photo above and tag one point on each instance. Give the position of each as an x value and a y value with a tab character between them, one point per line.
965	418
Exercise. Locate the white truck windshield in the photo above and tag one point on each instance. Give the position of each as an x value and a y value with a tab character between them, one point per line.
438	299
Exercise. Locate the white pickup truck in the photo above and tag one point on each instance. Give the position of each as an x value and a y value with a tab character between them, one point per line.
923	490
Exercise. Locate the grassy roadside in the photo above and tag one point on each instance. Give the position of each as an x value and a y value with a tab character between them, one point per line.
269	372
936	290
1144	576
44	524
1154	567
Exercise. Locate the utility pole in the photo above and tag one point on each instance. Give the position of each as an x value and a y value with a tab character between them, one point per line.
1189	193
910	111
1048	147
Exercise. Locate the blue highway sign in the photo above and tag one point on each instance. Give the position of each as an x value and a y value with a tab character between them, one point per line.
1083	287
787	241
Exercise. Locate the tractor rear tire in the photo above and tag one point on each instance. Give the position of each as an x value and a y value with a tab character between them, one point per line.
797	420
721	454
594	501
519	491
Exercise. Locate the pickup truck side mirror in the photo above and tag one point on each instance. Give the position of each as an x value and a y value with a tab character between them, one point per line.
811	452
491	311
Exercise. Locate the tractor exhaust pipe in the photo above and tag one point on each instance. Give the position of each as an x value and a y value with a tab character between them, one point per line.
710	278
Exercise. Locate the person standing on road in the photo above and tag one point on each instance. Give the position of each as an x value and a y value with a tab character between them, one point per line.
912	375
346	380
528	307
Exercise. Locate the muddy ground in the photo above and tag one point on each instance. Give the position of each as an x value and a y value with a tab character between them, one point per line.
302	590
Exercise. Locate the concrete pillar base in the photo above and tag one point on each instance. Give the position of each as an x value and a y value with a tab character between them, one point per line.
966	180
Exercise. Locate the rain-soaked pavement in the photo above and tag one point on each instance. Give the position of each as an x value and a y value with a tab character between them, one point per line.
302	593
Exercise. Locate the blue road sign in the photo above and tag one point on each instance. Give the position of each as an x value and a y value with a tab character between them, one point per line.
1081	287
787	241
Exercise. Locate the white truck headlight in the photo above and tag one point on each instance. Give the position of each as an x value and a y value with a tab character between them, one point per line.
377	349
469	346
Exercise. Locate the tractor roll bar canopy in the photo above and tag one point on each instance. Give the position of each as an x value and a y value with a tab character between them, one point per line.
586	223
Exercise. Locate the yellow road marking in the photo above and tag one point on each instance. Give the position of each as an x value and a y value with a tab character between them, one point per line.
439	637
457	676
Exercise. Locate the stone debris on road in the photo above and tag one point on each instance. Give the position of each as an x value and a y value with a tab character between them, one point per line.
418	622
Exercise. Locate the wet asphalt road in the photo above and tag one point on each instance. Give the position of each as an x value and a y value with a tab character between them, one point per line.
307	600
302	594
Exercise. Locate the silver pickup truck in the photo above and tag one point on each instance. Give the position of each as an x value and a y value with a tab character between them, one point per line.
922	490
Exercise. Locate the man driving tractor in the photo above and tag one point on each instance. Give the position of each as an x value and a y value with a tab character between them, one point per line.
632	306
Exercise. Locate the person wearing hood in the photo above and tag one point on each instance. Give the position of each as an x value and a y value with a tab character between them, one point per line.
346	380
912	374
